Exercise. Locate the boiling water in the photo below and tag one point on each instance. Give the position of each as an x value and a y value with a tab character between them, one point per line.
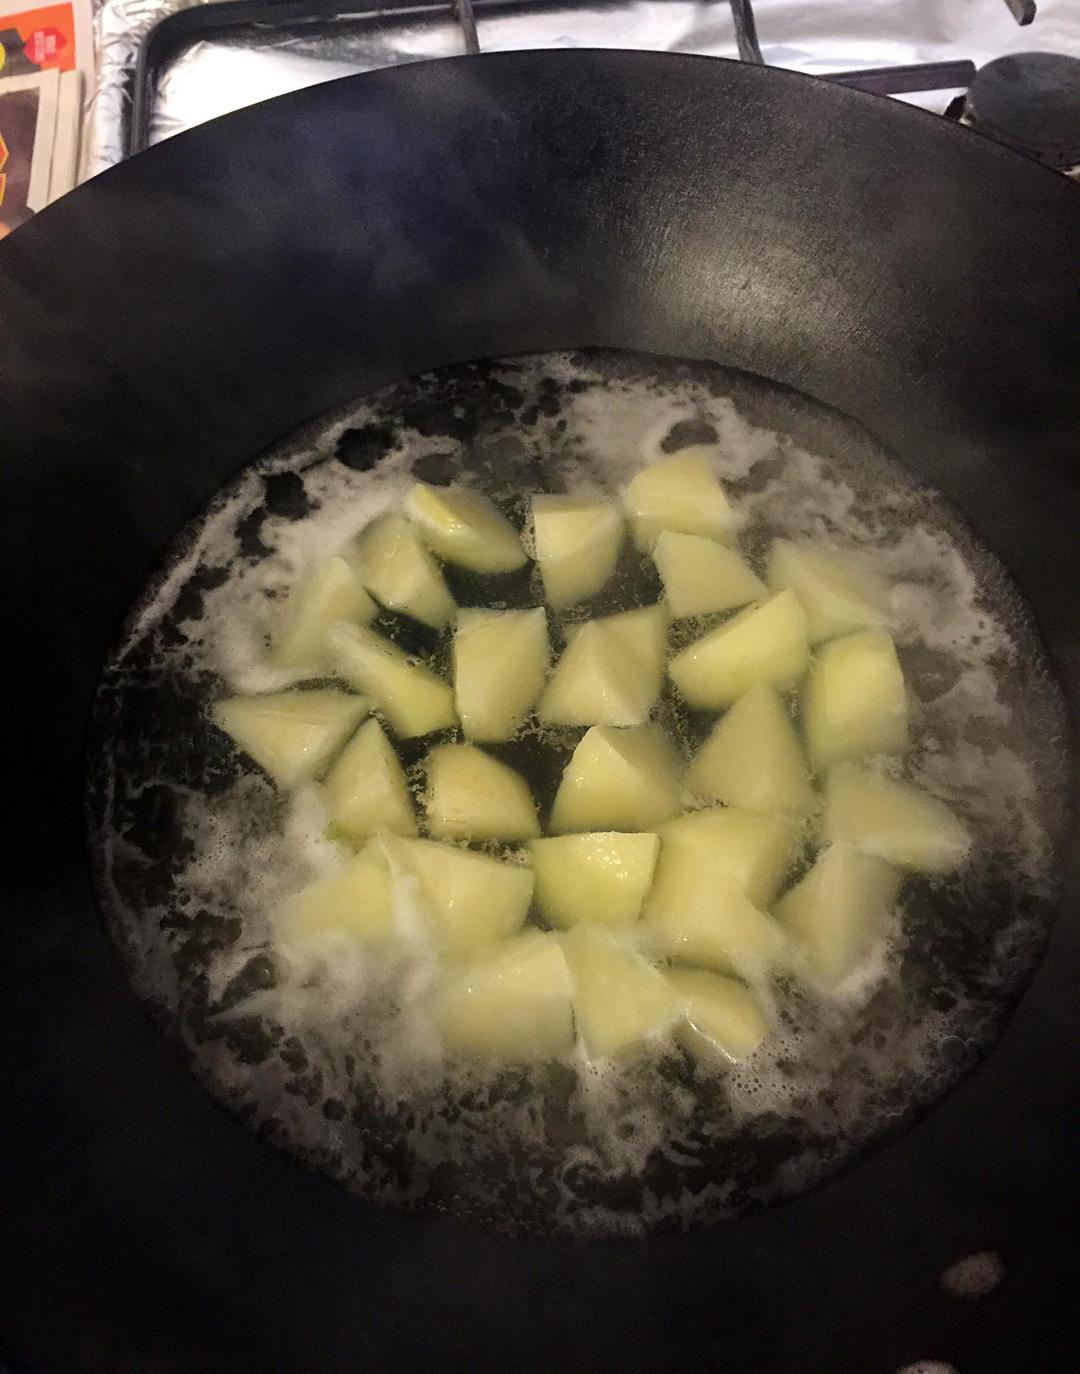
332	1057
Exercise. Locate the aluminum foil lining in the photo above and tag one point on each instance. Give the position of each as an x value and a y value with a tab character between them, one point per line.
212	78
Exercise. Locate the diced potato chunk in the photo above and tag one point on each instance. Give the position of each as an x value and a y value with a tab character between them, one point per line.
611	672
397	569
838	911
290	735
618	779
466	528
500	662
894	820
577	546
702	577
594	681
510	1002
752	758
854	701
366	789
765	643
602	877
837	595
410	696
679	493
470	899
332	592
756	851
643	633
472	796
699	914
620	1000
357	901
723	1017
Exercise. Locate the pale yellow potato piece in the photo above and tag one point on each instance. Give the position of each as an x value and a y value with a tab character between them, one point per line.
595	680
601	877
357	901
679	493
471	899
855	700
894	820
509	1002
290	735
699	914
702	577
754	850
500	663
753	758
410	696
473	796
765	643
723	1017
465	527
577	546
618	779
611	671
836	914
837	594
331	592
397	569
620	1000
643	632
366	789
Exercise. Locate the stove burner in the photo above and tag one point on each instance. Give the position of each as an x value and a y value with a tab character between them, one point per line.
1031	101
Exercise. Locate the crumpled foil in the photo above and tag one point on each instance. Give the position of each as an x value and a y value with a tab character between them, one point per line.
211	78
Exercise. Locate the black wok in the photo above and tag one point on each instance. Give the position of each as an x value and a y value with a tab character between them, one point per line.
162	325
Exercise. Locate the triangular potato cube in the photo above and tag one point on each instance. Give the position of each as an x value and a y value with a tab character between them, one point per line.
702	577
290	735
838	911
473	796
330	593
469	898
509	1003
620	1000
465	527
397	569
765	643
752	758
500	663
356	902
643	632
699	914
837	595
723	1017
601	877
679	493
410	696
618	779
611	671
577	546
595	681
894	820
754	850
366	789
855	700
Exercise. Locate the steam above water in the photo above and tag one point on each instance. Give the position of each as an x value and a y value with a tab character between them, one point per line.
333	1057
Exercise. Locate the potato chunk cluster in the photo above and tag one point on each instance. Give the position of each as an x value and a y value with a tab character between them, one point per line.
651	895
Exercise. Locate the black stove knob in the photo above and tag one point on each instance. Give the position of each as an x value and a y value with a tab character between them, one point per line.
1031	101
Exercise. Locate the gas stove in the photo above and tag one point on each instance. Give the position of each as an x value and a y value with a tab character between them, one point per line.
1010	68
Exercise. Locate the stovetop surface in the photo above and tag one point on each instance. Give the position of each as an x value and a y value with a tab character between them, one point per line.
222	71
